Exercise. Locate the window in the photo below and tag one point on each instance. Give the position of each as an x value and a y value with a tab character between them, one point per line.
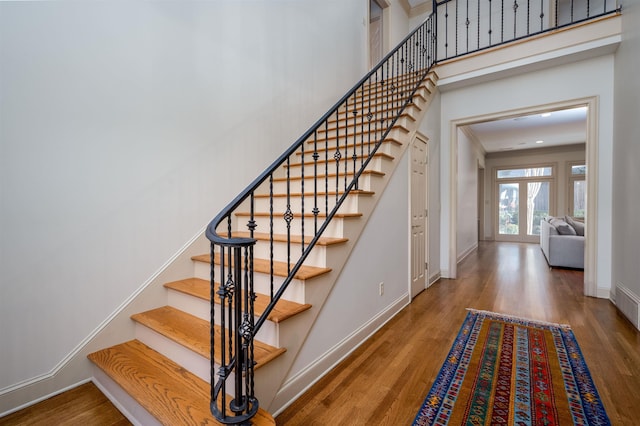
577	190
523	199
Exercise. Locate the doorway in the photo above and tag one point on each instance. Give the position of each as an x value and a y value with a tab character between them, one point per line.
591	183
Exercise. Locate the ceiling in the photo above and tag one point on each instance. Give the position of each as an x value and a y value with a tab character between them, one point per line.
553	128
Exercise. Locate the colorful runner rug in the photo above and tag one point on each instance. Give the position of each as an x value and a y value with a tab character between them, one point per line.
504	370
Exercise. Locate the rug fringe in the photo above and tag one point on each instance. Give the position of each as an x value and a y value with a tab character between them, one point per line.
515	317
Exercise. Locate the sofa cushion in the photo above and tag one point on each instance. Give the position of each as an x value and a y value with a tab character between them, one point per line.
563	227
578	226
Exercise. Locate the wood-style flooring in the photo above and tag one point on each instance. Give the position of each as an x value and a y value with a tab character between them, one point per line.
385	380
83	405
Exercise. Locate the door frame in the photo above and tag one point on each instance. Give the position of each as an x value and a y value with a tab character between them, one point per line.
592	179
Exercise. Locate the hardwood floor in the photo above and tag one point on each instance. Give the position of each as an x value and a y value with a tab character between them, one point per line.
83	405
385	381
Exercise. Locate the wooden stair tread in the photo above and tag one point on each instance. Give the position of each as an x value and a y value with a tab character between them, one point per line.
194	333
165	389
200	288
279	268
310	194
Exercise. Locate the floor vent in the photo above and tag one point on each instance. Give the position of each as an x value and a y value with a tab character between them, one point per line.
627	303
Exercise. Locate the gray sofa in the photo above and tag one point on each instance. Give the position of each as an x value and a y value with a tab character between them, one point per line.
562	242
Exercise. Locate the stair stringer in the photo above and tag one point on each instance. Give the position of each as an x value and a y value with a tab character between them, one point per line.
272	377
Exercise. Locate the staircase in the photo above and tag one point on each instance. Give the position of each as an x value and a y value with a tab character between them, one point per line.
315	202
163	375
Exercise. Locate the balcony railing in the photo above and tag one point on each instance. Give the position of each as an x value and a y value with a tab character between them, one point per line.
467	26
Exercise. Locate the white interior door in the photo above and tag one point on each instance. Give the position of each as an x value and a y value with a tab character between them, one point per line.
418	192
375	33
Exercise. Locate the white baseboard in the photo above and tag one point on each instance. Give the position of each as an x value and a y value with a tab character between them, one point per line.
467	252
35	401
433	278
293	388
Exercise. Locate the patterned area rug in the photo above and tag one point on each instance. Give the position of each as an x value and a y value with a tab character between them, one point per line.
505	370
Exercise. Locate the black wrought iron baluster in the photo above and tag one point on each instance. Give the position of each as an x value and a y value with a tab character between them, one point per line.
326	162
362	126
237	403
490	27
271	235
501	21
571	19
302	198
221	295
467	23
212	319
252	316
515	16
456	27
479	21
588	9
542	3
393	86
557	14
337	156
288	215
372	115
316	210
528	15
446	30
355	136
346	151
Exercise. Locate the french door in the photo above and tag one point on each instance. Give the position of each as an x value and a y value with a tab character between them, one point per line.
523	199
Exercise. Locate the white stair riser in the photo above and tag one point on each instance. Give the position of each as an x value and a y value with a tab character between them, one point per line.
191	361
262	284
295	186
295	204
350	139
201	308
317	257
359	135
362	150
131	409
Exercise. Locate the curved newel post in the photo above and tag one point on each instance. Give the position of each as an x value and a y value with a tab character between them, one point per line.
236	295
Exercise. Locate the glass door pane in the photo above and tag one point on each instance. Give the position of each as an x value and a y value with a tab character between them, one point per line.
537	205
579	198
508	207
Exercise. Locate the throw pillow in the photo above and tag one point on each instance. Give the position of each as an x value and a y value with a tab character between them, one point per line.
578	226
563	227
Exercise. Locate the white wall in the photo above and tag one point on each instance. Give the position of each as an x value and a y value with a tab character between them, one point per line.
398	23
119	125
380	255
578	80
469	159
560	157
626	154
